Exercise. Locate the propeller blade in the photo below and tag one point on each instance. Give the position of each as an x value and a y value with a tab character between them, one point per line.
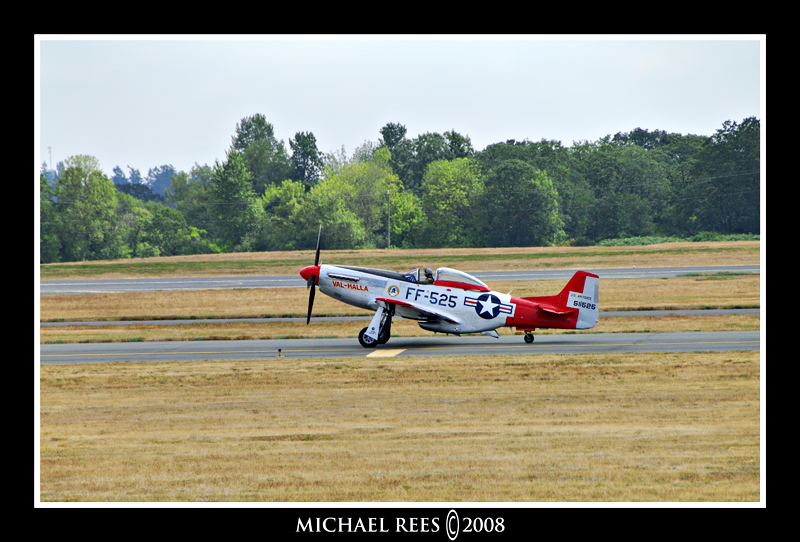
312	279
319	237
311	300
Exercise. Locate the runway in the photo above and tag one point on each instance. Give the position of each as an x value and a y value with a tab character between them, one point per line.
440	345
86	286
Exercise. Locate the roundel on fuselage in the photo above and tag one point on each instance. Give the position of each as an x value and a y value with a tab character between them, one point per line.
487	306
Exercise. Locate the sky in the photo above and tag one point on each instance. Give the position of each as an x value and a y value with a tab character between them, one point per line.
147	101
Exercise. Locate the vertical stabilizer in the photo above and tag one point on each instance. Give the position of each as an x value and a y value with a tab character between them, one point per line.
586	301
581	292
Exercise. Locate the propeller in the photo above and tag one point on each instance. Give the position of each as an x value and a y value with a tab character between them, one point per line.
313	276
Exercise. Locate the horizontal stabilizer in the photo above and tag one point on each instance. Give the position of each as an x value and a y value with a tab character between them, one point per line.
556	310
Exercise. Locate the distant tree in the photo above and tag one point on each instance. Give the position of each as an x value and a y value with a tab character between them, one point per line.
407	220
150	229
350	204
49	174
629	185
265	157
411	157
119	176
365	152
159	179
139	191
393	134
283	206
168	231
460	146
237	210
363	187
135	177
60	168
519	207
450	189
306	162
643	138
189	193
132	218
680	161
251	129
724	195
333	161
49	242
87	203
268	163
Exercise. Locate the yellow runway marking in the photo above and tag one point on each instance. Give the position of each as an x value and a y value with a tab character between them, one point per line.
384	353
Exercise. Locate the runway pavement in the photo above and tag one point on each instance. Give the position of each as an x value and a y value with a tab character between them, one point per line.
439	345
85	286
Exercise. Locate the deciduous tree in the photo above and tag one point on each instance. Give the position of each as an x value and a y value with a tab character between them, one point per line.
86	211
236	208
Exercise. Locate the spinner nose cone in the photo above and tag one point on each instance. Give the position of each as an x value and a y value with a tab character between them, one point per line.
307	272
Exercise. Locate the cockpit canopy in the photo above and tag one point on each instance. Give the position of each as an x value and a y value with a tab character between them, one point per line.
452	278
412	276
458	279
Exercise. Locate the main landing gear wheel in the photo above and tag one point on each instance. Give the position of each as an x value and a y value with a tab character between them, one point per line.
529	338
384	334
367	341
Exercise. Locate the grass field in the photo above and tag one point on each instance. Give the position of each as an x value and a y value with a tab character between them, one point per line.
465	259
629	428
619	294
528	428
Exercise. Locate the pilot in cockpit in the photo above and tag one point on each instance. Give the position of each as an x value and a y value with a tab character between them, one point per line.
414	276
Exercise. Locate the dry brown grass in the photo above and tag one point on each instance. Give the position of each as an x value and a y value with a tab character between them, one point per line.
618	294
236	330
467	259
629	427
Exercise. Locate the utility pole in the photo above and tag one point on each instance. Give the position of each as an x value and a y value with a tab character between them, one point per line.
388	221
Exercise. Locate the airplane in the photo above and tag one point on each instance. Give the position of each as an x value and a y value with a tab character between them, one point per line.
449	301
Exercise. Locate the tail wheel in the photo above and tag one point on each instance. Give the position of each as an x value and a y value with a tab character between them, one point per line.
367	341
528	338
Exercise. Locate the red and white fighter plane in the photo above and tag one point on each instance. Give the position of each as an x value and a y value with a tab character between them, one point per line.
450	301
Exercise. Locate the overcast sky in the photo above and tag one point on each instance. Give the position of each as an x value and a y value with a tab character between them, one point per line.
149	101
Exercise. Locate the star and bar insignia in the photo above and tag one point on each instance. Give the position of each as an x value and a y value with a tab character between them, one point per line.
488	306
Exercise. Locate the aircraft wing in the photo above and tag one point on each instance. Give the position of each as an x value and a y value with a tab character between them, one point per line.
424	312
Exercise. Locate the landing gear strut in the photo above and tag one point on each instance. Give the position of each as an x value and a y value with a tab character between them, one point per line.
386	331
384	334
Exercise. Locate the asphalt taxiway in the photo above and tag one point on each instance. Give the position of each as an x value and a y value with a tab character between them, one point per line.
438	345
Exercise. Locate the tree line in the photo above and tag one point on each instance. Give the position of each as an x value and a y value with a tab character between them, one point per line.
431	191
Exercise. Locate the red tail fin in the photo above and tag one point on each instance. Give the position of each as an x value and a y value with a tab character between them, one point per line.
575	284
